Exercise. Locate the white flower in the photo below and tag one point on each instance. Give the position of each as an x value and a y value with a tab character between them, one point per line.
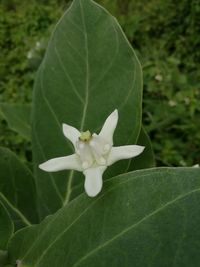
18	263
172	103
159	77
93	154
196	166
30	54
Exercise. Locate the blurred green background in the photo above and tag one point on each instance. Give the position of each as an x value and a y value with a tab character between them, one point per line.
166	38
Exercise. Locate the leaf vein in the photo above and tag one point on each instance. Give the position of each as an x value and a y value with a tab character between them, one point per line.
67	76
68	192
50	175
80	215
16	210
136	224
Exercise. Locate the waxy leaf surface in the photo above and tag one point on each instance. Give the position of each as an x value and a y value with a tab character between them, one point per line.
89	70
143	218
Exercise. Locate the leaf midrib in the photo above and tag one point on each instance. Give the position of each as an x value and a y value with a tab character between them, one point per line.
71	174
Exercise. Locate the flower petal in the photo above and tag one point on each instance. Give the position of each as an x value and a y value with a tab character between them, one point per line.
109	126
71	133
123	152
71	162
93	180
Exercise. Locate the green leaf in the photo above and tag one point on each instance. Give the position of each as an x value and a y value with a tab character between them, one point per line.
6	227
17	189
17	117
88	71
143	218
147	159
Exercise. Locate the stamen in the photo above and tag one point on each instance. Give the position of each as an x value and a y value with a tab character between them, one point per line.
96	146
81	145
106	148
92	150
102	161
85	165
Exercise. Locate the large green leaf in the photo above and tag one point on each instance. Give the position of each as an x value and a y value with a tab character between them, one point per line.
143	218
6	227
17	189
17	117
88	71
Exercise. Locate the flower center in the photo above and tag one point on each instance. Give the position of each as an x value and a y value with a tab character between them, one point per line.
85	136
92	150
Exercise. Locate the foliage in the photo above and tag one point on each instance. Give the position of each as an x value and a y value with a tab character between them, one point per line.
24	27
17	189
166	37
136	222
166	34
75	76
142	217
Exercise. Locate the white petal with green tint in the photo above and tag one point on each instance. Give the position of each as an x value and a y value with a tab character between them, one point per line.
109	127
93	180
71	162
124	152
93	154
71	133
